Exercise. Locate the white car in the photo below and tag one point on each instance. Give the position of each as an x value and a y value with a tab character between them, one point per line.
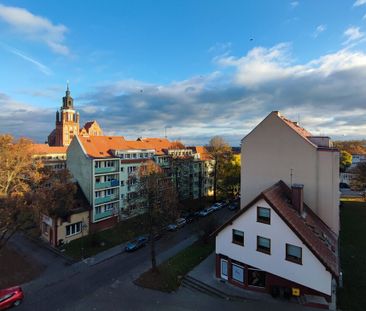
216	206
180	222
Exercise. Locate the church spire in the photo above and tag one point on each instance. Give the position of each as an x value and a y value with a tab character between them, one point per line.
67	100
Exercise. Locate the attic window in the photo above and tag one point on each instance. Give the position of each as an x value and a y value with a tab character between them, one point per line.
110	138
294	253
88	140
100	152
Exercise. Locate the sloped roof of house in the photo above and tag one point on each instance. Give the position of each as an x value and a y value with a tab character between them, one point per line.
159	144
101	146
46	149
302	132
311	230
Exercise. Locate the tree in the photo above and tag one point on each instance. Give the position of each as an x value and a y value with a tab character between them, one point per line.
230	172
351	146
345	160
19	172
27	188
220	152
359	180
156	192
54	194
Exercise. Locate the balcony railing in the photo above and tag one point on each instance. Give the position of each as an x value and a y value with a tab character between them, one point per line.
106	199
103	215
107	184
111	169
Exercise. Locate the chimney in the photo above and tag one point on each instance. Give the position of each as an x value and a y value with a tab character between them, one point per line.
297	198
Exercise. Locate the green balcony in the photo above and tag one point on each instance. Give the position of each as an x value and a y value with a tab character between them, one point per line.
105	199
103	215
101	170
100	185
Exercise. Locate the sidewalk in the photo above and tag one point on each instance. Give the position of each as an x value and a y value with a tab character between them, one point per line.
205	273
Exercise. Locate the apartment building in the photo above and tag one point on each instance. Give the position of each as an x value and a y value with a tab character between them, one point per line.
106	169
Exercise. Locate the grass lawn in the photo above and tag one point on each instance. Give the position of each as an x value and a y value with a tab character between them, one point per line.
353	256
97	242
171	272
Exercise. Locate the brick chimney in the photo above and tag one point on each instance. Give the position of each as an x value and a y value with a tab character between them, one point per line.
297	198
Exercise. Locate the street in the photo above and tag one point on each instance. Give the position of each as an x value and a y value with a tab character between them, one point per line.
109	284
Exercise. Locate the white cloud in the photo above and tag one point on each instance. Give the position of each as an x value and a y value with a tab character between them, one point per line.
352	34
294	4
319	29
359	2
35	28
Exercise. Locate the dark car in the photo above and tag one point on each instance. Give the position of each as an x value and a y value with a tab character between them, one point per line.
172	227
11	297
233	206
136	244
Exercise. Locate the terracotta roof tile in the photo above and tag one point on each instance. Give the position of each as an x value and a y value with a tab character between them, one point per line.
46	149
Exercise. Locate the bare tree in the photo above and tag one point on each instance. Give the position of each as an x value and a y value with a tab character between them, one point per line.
156	192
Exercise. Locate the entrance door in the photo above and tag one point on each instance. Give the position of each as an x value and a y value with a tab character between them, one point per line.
224	269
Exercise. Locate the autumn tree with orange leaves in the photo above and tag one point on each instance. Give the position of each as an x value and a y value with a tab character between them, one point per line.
27	188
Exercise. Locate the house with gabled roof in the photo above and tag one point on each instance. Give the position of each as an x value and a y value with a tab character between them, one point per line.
277	243
280	149
285	237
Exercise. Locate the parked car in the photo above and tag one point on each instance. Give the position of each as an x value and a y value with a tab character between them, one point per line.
136	244
180	222
206	211
233	206
11	297
216	206
172	227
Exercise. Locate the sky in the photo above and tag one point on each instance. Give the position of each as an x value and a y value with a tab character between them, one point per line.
190	69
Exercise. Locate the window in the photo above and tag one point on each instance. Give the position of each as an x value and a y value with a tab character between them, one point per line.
122	196
73	229
294	253
237	273
263	245
141	155
122	183
238	237
121	169
256	277
98	164
145	155
263	215
127	155
97	179
109	191
134	155
98	194
98	210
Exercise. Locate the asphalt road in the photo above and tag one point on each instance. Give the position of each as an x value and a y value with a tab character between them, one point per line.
110	284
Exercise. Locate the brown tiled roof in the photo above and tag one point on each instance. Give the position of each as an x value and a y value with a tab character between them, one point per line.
311	230
159	144
296	127
46	149
101	146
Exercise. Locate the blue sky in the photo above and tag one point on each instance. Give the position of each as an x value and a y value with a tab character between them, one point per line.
199	68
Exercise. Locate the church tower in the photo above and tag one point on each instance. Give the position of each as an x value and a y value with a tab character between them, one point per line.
67	122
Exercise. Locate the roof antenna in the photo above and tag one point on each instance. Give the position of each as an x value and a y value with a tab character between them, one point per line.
165	131
298	119
291	174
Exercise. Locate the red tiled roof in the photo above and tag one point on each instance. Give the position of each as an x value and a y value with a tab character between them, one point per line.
313	232
46	149
296	127
159	144
101	146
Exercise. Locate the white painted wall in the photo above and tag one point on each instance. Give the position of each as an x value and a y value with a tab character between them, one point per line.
269	153
311	273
